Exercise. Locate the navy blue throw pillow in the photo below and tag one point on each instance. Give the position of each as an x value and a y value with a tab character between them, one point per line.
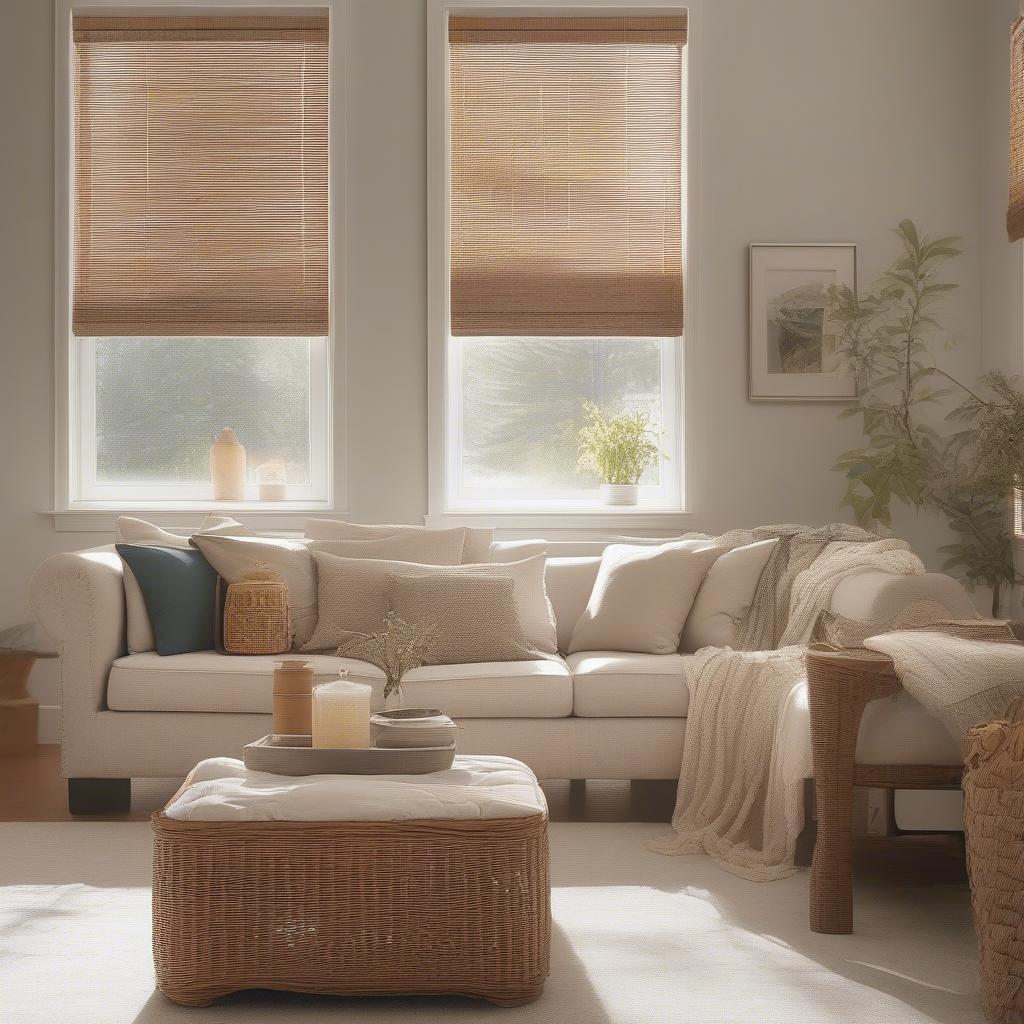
179	588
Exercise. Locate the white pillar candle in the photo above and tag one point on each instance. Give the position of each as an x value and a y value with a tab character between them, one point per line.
341	714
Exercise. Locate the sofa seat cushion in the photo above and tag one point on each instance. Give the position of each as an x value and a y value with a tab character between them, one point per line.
208	681
493	689
899	730
611	684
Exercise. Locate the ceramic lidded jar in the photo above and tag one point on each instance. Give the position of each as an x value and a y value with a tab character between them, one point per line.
227	467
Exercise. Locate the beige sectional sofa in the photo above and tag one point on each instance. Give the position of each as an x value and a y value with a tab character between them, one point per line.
594	715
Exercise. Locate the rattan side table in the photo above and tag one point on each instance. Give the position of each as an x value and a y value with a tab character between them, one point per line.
840	684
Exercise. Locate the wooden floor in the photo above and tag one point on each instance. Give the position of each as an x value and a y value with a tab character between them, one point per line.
32	789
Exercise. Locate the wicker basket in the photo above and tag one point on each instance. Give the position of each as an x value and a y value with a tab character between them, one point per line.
994	823
256	619
352	908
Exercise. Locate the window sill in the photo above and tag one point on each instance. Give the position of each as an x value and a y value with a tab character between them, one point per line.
266	517
575	522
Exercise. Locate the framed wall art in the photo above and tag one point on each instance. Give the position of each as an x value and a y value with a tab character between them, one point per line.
794	345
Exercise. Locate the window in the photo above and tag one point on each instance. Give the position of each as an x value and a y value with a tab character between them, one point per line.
517	406
566	224
199	294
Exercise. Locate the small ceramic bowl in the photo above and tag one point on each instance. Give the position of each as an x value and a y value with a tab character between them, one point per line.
412	727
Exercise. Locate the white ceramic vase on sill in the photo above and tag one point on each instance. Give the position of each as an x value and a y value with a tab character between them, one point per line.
620	494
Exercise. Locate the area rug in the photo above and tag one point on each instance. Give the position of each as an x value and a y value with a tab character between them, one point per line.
638	939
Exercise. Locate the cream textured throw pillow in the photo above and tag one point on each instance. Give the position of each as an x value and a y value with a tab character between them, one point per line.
128	530
477	541
430	547
725	596
233	557
353	598
476	616
641	597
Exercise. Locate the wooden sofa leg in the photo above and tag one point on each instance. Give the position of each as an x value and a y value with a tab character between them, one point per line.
99	796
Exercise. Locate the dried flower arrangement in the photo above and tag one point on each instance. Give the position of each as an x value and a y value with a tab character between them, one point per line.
397	647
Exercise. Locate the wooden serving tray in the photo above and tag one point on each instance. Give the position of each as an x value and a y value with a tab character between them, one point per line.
296	755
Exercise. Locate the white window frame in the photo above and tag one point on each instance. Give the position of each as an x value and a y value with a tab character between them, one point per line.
80	502
578	513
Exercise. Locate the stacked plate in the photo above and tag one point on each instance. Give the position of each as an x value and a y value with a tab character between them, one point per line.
412	727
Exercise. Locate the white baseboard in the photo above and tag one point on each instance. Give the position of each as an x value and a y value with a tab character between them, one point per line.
49	723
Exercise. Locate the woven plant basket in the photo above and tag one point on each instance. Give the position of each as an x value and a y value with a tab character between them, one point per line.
256	617
994	823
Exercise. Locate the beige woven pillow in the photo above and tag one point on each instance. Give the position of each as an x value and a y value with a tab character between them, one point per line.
476	615
475	550
352	596
641	597
430	547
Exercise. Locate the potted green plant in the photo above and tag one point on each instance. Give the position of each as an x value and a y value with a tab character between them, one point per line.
618	448
968	474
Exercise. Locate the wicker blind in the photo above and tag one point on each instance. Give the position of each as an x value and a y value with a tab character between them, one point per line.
200	176
566	175
1015	211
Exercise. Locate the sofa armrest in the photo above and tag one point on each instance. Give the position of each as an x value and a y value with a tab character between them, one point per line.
879	596
78	598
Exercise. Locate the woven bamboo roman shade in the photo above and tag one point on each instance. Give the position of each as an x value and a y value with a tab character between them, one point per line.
200	176
566	176
1015	211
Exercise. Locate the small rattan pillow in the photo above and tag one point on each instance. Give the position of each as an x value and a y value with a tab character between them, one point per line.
476	616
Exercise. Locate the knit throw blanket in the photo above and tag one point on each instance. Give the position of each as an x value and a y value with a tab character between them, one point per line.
740	796
747	749
965	682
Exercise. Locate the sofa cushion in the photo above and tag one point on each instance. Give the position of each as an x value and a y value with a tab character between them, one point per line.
353	597
725	597
473	618
902	731
611	684
569	583
129	530
496	689
208	681
179	591
642	596
477	539
233	557
428	547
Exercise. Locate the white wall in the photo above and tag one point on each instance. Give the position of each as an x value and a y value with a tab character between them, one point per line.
821	120
824	120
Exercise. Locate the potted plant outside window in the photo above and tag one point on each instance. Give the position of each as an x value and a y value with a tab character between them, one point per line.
619	449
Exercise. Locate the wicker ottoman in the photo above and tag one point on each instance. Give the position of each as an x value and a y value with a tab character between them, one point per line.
459	907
